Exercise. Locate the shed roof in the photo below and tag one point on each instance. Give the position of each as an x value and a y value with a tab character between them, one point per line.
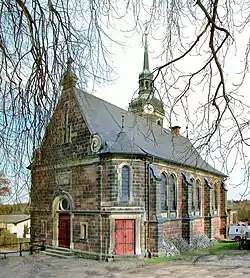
13	218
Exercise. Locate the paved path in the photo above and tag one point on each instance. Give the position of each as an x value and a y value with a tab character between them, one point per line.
203	267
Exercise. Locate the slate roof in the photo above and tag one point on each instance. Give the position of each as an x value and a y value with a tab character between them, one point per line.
138	136
14	218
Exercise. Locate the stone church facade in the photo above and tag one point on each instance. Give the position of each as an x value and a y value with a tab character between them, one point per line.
109	182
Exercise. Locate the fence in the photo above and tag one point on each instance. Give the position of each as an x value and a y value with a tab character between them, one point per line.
19	248
11	241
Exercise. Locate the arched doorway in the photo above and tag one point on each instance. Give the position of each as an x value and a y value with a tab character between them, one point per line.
62	221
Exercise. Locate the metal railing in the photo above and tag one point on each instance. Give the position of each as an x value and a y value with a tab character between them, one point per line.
27	246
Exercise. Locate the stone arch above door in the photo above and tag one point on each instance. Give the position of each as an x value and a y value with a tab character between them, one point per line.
62	206
62	202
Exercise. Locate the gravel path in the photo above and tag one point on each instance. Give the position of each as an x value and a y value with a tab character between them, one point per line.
44	266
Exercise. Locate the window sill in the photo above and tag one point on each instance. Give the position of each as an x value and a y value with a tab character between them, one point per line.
125	201
173	214
83	239
164	214
194	213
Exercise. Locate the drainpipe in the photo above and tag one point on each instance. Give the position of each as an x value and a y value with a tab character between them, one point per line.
147	174
146	206
100	207
107	239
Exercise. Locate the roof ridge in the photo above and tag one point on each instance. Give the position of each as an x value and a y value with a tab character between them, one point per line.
101	99
104	118
126	111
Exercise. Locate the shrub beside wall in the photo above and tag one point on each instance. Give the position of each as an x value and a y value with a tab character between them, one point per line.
9	240
176	245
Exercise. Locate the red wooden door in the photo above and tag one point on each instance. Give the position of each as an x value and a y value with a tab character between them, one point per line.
64	230
124	236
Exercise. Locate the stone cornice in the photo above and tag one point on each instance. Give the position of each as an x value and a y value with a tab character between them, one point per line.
67	164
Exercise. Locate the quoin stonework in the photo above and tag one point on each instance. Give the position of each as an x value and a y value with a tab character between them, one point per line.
111	182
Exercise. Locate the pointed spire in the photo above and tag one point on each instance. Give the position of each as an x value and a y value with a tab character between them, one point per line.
146	60
146	95
69	78
146	73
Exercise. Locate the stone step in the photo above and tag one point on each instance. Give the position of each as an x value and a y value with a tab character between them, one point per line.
57	251
56	248
52	254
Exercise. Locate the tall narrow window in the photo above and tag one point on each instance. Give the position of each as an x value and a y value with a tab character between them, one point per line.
44	227
125	188
66	125
197	196
192	195
163	192
215	198
84	230
172	193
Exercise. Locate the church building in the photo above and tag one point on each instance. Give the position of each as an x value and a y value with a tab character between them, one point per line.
112	182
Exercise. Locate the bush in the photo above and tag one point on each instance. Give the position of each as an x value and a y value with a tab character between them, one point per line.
176	245
9	240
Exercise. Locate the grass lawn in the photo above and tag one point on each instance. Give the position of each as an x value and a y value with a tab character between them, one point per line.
219	248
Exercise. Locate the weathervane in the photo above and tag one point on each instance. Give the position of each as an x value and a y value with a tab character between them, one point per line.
145	35
146	27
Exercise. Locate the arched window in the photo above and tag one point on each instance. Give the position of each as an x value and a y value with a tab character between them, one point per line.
163	192
64	204
192	196
197	196
215	198
172	193
125	183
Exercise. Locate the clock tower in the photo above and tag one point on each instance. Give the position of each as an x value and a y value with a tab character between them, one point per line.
146	104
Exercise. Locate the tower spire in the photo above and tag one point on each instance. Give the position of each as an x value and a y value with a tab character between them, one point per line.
146	60
146	104
146	77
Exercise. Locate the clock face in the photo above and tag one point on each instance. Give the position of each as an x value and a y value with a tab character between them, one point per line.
96	143
148	108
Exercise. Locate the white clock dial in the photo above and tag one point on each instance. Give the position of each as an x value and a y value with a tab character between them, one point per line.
96	143
148	108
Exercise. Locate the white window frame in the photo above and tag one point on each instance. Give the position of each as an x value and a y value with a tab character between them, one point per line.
84	230
44	227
